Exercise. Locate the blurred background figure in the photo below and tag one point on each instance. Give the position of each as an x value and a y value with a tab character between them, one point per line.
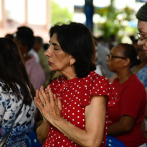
38	47
142	26
99	69
113	41
24	38
141	72
141	69
102	51
126	116
46	46
10	36
16	90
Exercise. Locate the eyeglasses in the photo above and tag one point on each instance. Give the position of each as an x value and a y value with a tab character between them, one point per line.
139	37
110	57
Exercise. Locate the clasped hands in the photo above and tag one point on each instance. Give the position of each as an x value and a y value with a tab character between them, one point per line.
48	104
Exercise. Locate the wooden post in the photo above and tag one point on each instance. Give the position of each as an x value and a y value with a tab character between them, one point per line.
26	13
89	14
3	12
48	14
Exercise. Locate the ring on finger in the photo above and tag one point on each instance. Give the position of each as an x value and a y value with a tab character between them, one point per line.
44	104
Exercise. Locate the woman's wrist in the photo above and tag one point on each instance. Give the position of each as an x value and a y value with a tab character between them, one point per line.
56	121
45	121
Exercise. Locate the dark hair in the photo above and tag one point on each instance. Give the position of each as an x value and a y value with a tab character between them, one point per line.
77	40
135	41
13	72
38	39
130	52
9	36
46	46
142	13
25	36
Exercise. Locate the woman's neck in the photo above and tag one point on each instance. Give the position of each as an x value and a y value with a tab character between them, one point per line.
140	66
69	73
124	76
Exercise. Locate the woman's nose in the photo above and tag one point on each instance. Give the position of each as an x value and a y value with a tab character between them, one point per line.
107	58
48	52
139	42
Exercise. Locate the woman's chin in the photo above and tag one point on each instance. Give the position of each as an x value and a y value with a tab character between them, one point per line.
52	69
109	67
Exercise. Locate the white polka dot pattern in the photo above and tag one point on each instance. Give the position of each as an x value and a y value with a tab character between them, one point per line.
75	94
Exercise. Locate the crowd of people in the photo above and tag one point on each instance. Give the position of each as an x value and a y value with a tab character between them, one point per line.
75	90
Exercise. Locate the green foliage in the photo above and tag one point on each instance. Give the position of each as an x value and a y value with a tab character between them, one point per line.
113	24
59	14
131	29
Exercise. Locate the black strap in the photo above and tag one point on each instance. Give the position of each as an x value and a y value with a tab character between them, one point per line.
6	136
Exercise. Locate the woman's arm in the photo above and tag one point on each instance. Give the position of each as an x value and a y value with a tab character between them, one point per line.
92	136
42	131
95	114
44	126
124	125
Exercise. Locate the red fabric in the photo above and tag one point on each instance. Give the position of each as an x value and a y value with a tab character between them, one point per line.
75	94
132	103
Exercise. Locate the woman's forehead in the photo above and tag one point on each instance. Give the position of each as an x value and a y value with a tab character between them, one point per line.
117	49
54	37
54	40
142	26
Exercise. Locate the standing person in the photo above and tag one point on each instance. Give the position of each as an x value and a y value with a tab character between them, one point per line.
142	26
141	69
38	47
24	39
126	116
102	51
75	107
15	90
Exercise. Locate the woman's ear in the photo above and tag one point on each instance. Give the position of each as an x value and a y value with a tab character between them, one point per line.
24	51
127	62
72	61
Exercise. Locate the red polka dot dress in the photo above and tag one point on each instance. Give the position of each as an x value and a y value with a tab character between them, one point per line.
75	94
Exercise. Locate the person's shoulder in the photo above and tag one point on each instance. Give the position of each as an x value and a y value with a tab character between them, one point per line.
7	96
135	83
144	69
134	79
95	76
1	85
32	62
100	85
116	80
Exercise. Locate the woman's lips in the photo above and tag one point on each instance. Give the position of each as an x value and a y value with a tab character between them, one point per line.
108	66
49	63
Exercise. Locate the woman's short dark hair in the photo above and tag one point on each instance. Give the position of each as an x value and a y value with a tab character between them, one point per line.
12	71
25	36
130	52
142	13
77	40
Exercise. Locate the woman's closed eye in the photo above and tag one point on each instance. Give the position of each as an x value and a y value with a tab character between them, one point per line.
56	49
143	35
